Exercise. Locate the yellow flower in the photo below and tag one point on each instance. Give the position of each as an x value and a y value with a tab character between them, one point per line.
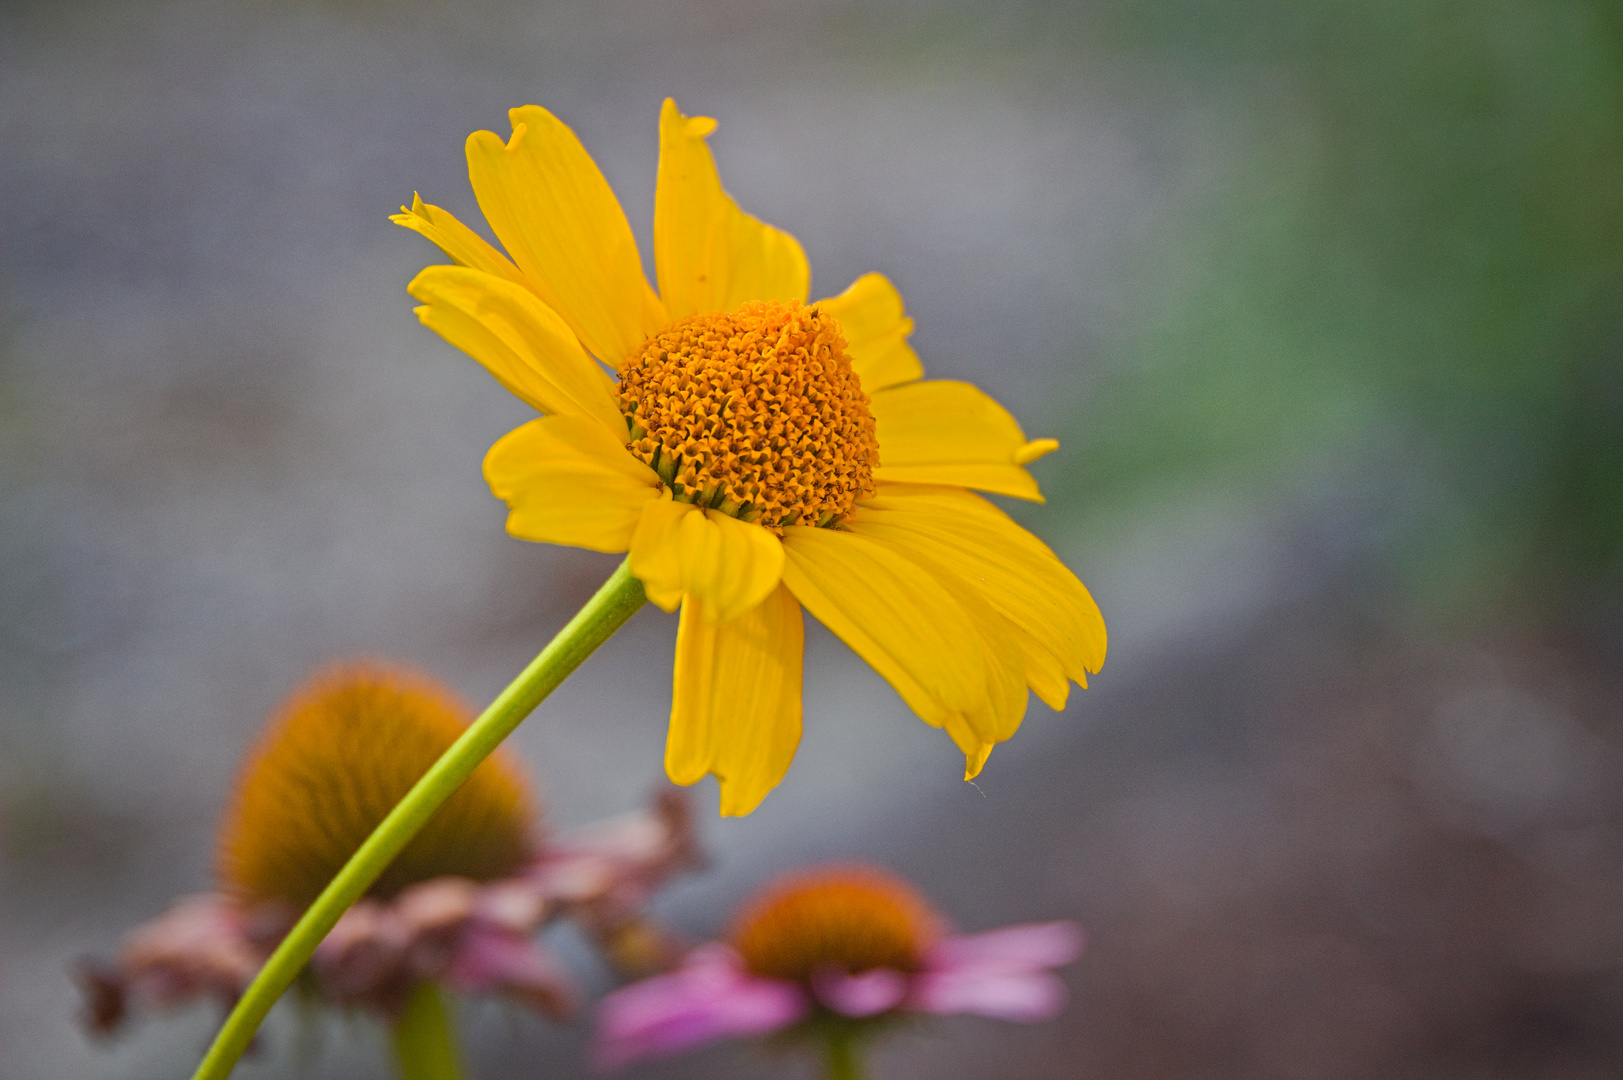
755	456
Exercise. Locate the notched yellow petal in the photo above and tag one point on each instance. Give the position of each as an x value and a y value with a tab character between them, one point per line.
1035	449
519	340
708	254
550	206
1011	480
946	432
975	762
567	480
735	699
679	550
656	555
997	715
941	649
1016	572
876	330
461	244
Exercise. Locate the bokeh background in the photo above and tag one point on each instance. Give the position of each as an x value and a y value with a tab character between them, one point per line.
1324	300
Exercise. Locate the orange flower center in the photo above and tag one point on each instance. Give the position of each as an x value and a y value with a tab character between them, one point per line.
342	751
755	412
850	919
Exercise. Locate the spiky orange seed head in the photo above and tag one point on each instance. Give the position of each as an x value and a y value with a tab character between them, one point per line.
847	918
334	760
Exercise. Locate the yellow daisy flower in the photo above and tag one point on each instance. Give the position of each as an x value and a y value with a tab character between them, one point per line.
755	456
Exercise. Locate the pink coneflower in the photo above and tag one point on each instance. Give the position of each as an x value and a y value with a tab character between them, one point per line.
457	909
834	953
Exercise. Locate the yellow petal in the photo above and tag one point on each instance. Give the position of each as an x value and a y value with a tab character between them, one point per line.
520	340
1016	572
656	554
1005	703
551	208
735	702
567	480
948	432
876	331
976	761
464	246
909	626
679	550
709	254
1045	672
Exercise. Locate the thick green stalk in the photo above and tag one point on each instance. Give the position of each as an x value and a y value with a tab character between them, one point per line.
615	602
842	1054
425	1046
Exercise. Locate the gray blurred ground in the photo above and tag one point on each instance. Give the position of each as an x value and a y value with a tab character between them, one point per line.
1323	301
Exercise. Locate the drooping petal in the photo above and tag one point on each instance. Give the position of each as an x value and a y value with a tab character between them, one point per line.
490	960
911	627
974	759
735	703
945	432
876	330
1045	673
710	255
568	481
365	958
976	731
620	862
710	997
520	340
1015	571
554	212
200	947
460	243
679	549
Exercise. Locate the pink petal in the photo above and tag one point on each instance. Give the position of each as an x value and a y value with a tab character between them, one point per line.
492	960
200	946
623	860
1021	997
514	904
856	996
1030	947
436	904
710	997
363	952
1001	973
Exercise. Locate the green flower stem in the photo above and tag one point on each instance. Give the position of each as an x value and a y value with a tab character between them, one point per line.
606	612
842	1054
425	1046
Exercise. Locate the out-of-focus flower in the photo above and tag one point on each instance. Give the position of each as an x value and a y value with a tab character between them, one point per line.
836	951
460	904
757	454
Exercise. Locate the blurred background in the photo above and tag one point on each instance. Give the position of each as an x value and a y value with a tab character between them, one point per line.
1324	300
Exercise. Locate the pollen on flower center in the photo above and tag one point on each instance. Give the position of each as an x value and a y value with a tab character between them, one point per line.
333	762
851	919
756	412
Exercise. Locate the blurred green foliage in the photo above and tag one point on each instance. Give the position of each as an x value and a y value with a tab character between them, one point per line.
1394	265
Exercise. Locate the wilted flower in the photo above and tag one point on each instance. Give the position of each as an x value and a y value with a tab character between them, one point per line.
458	907
835	953
756	454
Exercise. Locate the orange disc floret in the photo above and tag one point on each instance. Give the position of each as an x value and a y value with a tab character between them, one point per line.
851	919
756	412
334	760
